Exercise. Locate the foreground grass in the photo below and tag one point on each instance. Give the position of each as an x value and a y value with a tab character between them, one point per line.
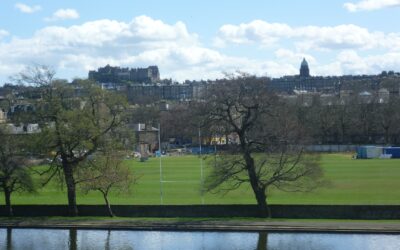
352	182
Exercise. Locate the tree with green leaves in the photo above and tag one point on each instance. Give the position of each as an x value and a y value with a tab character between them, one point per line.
105	173
14	172
74	119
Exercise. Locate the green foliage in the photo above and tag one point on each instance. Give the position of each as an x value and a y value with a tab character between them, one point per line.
14	173
105	173
16	177
75	120
74	124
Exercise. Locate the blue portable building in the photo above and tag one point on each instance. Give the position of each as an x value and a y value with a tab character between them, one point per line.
361	153
369	152
204	150
394	151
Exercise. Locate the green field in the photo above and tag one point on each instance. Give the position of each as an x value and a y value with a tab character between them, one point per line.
352	182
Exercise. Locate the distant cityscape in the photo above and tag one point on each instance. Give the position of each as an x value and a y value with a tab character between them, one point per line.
145	87
145	83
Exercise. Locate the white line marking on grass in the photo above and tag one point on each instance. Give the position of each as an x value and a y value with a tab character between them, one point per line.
182	181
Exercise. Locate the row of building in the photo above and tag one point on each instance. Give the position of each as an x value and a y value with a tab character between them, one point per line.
151	87
110	74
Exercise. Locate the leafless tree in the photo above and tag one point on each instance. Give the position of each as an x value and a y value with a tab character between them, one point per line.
388	118
270	151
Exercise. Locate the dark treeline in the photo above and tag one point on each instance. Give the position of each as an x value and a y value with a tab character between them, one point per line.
361	119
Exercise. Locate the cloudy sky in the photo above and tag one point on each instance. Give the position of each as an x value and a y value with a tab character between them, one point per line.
203	39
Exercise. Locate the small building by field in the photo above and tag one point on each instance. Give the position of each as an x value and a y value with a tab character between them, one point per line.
394	151
146	138
373	152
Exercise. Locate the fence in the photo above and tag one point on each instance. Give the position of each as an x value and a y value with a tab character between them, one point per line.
278	211
332	148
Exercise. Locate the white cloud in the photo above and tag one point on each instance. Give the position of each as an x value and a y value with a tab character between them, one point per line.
346	62
293	57
349	62
3	33
178	52
27	9
143	41
340	37
63	14
260	31
371	5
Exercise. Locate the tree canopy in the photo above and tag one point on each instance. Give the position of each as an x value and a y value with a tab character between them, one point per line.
74	120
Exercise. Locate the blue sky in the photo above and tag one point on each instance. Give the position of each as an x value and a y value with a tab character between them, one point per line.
202	39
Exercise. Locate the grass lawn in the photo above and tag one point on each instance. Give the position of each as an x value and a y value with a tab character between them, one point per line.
352	182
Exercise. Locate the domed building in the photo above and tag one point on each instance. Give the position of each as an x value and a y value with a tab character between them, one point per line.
304	70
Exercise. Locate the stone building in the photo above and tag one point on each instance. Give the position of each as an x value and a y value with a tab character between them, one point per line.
331	84
157	92
109	74
3	116
146	138
304	70
144	85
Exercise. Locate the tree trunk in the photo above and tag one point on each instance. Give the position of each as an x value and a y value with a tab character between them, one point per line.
73	239
259	192
262	243
9	239
343	134
110	212
7	196
70	182
107	246
386	135
261	202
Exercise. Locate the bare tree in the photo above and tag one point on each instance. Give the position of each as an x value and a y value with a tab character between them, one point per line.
270	149
148	114
14	174
172	125
104	173
388	118
74	119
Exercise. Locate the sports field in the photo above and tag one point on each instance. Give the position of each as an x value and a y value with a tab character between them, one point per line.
352	182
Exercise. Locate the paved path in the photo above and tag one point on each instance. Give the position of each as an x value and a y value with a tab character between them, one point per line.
209	225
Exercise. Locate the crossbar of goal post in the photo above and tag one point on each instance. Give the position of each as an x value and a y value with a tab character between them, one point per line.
180	181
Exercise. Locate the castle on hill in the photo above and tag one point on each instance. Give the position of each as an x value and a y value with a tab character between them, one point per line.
109	74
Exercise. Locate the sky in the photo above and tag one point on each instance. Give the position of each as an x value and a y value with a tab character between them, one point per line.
200	39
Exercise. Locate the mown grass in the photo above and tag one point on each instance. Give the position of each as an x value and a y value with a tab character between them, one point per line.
352	182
